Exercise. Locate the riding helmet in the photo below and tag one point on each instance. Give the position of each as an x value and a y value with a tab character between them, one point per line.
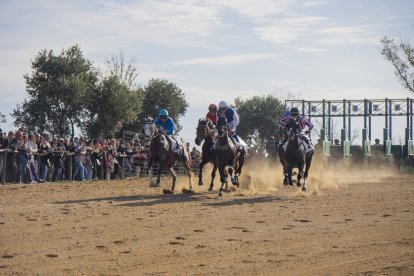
294	111
163	112
212	107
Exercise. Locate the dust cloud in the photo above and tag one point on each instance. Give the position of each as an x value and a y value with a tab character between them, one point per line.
262	176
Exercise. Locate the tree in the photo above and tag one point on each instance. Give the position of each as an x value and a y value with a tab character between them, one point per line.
111	106
160	94
402	58
58	89
259	117
2	118
126	71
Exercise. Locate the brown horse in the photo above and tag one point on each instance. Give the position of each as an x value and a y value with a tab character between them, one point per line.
206	132
227	154
160	151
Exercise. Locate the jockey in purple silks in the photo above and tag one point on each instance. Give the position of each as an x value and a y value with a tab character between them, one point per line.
303	123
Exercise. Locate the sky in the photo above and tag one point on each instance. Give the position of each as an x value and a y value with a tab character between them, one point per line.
216	49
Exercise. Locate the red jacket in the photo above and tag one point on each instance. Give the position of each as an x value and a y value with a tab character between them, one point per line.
212	117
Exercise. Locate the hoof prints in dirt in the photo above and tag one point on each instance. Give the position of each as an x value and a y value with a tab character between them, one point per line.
52	255
303	220
7	256
176	243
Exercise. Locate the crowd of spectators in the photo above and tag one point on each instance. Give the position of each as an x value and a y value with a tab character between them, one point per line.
34	158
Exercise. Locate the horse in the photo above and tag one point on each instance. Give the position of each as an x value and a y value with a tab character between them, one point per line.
160	151
227	154
296	156
206	131
281	154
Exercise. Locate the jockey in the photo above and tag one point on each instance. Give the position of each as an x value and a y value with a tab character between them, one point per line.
167	125
212	113
232	118
302	123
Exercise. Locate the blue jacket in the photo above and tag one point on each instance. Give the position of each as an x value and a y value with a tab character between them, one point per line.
232	118
169	125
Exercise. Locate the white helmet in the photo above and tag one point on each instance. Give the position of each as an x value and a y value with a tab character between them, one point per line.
223	104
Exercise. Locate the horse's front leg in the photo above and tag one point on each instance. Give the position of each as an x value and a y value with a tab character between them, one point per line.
200	173
158	182
213	175
300	174
281	153
174	176
149	165
289	175
223	177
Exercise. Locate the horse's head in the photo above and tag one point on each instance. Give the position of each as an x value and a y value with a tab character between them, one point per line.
149	129
222	125
201	131
292	129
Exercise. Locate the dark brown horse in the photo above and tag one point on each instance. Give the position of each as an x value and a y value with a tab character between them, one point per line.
206	132
160	151
297	156
227	155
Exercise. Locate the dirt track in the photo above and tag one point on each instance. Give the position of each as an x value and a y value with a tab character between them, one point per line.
345	224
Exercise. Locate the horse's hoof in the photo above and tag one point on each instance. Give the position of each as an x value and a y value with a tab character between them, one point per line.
304	188
167	192
291	183
298	184
285	182
200	183
188	191
211	189
220	193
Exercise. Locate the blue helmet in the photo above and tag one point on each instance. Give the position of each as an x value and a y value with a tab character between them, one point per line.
163	112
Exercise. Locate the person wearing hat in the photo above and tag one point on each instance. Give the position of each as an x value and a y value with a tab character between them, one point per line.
303	123
212	113
167	125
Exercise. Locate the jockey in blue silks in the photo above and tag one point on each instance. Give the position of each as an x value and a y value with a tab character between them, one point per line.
167	125
232	120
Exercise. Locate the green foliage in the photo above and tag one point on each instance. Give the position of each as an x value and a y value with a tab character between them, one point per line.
259	117
58	88
2	118
160	94
402	58
112	105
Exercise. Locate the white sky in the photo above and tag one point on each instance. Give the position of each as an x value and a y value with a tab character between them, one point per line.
215	49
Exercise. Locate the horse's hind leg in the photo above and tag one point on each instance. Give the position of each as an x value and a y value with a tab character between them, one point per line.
305	176
187	168
174	176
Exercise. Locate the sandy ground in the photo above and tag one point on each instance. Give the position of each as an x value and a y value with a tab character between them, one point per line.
349	222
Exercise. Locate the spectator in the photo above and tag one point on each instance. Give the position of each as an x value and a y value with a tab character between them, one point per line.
139	159
336	142
377	142
3	145
80	152
32	146
195	155
10	157
44	153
